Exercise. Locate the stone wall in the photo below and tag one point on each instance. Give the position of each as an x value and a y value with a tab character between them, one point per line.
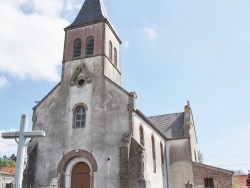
135	163
130	162
30	170
221	178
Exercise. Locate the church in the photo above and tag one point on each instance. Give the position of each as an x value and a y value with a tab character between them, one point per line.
95	135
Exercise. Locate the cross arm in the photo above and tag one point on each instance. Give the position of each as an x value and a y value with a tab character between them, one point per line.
16	134
11	135
34	134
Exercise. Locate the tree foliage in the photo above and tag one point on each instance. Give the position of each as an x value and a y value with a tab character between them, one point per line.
238	172
8	161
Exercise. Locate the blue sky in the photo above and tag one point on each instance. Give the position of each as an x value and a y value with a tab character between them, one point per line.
172	51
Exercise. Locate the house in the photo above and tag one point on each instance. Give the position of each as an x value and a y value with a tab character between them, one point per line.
240	181
7	176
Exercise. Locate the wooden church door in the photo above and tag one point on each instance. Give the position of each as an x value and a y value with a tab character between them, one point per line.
80	177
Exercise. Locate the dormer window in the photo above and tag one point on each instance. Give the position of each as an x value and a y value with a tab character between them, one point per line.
110	50
89	45
77	48
115	57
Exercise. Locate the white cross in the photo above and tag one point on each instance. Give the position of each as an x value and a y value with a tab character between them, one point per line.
22	135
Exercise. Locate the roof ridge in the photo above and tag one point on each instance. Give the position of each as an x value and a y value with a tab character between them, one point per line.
165	114
213	167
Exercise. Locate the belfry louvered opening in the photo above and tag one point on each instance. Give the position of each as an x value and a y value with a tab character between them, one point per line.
77	48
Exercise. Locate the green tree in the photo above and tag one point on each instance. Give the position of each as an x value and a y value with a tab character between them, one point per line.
4	158
12	164
1	163
8	161
12	157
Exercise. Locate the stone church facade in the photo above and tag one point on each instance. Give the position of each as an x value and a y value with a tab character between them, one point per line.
95	135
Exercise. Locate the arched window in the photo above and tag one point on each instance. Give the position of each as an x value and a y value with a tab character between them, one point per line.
110	50
162	154
79	117
195	156
89	45
162	158
77	48
115	57
141	135
153	152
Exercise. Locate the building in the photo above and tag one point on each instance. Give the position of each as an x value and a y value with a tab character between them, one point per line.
7	176
95	135
240	181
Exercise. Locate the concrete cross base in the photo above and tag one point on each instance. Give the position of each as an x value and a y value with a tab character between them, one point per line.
144	183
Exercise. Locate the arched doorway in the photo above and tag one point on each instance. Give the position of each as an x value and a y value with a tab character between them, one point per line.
69	161
80	177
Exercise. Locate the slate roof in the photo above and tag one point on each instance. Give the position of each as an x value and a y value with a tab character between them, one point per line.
91	11
171	125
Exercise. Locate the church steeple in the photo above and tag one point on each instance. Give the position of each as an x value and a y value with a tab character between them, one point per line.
92	39
91	11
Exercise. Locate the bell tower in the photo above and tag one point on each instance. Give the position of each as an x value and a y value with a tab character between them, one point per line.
91	38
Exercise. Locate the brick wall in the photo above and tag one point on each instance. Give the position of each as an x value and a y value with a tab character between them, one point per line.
221	178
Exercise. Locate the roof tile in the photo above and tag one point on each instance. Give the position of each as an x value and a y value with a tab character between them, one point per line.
10	170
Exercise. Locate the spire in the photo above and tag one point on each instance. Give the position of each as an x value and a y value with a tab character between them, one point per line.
91	11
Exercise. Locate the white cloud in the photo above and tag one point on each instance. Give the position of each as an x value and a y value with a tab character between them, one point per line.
31	38
71	9
73	4
3	82
151	31
8	146
48	7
